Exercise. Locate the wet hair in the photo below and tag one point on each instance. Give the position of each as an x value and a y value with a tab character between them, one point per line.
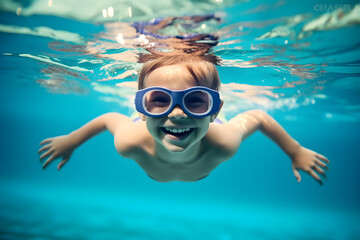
201	67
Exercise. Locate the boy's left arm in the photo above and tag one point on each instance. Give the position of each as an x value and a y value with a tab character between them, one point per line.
302	158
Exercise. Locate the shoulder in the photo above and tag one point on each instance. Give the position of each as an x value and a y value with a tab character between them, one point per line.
224	138
132	138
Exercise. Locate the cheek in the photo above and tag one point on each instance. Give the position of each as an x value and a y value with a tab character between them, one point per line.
152	125
203	126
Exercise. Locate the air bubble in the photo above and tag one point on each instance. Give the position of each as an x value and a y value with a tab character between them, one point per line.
18	11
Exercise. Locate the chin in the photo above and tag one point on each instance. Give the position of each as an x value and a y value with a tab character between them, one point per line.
175	149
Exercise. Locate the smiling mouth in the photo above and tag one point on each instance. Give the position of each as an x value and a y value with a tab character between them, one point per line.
179	133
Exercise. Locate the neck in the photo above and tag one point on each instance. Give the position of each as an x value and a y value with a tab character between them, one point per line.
186	157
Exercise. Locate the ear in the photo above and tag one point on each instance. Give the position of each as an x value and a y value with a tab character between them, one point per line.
212	117
142	116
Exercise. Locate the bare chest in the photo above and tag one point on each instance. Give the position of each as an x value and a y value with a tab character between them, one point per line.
168	170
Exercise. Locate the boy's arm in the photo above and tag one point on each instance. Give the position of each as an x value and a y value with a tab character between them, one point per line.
302	158
63	146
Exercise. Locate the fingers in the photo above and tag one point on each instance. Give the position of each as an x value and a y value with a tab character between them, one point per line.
297	174
46	154
46	147
46	141
315	176
50	159
62	163
51	151
319	170
321	164
323	158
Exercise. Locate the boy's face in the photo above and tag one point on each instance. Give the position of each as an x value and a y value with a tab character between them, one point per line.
177	132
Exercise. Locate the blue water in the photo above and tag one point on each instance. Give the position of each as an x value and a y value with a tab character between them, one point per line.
310	84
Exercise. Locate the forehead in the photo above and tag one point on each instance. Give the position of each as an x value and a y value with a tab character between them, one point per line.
175	77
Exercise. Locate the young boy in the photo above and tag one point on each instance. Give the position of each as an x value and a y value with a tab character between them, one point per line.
179	137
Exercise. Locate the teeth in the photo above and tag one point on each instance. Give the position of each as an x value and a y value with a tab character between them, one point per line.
177	130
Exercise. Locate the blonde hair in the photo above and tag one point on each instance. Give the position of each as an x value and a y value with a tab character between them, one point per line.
201	68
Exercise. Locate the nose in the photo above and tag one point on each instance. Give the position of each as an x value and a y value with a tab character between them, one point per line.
177	113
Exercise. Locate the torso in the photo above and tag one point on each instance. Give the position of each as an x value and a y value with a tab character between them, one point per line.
166	172
143	152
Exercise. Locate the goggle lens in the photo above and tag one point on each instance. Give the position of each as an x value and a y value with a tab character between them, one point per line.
198	102
157	102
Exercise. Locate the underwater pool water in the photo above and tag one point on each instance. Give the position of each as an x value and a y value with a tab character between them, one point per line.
64	63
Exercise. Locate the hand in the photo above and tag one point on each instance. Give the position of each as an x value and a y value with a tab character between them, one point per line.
310	162
57	147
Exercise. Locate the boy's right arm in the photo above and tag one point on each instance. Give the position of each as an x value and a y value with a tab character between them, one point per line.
63	146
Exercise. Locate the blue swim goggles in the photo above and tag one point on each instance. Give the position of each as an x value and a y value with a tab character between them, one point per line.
197	102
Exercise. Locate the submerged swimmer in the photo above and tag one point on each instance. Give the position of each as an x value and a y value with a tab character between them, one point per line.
178	138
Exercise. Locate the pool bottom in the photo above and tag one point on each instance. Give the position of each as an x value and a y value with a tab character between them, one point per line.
33	211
